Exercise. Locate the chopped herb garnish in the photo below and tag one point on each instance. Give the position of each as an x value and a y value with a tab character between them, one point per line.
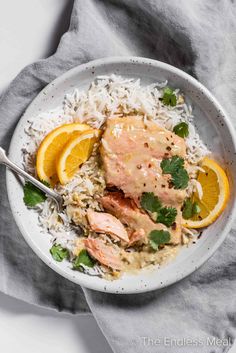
171	165
181	129
150	202
190	209
83	259
158	237
196	208
175	167
45	183
169	97
59	253
32	195
180	179
166	216
187	209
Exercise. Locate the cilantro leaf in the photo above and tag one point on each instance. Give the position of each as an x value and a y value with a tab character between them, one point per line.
169	98
180	179
190	209
83	259
45	183
59	253
171	165
158	237
32	195
196	208
187	209
166	216
181	129
175	167
150	202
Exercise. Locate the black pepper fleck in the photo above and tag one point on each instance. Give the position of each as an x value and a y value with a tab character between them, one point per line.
174	225
200	234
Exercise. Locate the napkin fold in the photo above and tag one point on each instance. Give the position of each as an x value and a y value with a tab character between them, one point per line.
197	314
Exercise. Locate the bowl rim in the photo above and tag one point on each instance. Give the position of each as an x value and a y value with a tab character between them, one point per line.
102	62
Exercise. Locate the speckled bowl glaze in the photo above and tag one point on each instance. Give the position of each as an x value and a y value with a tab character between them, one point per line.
214	128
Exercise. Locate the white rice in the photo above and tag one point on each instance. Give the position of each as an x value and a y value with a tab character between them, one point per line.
114	96
108	96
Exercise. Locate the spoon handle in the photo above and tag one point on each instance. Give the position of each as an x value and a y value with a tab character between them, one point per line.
51	193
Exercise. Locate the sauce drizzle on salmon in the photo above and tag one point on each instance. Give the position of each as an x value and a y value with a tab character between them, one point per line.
131	153
132	160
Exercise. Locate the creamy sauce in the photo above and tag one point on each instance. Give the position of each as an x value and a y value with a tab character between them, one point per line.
132	161
132	152
135	261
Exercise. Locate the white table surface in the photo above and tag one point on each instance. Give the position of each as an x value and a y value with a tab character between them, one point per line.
25	328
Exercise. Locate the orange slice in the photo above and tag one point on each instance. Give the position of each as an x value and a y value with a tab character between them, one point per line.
215	187
77	150
50	148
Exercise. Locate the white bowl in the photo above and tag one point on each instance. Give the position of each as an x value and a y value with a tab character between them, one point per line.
214	128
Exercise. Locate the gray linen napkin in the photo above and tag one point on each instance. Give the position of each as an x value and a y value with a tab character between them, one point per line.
198	37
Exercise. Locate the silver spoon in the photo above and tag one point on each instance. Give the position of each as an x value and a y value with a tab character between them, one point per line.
49	192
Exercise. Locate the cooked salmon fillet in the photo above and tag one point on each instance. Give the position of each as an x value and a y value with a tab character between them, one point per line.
141	224
101	222
105	254
132	152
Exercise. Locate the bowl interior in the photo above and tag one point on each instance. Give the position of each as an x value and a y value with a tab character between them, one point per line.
214	128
